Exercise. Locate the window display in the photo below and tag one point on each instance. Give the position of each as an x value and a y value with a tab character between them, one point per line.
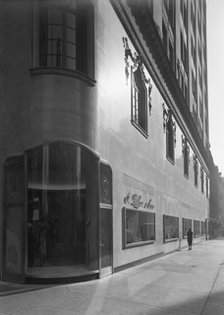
139	227
61	231
187	223
171	227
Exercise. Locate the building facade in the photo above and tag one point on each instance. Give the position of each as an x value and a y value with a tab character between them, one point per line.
104	134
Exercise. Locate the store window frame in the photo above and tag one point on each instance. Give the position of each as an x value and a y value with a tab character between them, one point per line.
202	180
175	235
197	231
186	224
137	243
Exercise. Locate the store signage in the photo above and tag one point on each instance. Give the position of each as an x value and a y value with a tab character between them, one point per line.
136	201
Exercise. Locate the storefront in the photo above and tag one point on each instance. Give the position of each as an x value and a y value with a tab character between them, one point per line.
57	207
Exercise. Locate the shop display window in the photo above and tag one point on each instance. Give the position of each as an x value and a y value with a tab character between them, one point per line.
171	228
138	227
187	224
196	228
202	228
62	229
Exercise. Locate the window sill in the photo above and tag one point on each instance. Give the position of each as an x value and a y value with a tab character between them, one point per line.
138	244
140	129
64	72
170	160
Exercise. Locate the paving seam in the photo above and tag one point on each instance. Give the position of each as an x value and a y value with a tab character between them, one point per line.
211	289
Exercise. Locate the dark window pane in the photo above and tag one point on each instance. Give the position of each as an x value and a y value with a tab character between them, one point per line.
71	20
71	35
139	226
171	227
71	50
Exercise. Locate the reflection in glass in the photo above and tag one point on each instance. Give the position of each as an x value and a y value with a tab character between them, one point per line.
61	188
139	226
187	223
171	227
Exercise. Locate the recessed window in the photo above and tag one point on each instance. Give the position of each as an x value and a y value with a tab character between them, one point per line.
186	156
66	37
196	228
169	126
195	171
207	187
202	228
138	227
187	224
170	227
139	101
170	139
202	180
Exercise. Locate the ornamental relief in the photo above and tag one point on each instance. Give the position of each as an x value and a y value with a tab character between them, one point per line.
135	61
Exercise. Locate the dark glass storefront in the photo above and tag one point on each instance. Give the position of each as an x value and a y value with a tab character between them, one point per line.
61	211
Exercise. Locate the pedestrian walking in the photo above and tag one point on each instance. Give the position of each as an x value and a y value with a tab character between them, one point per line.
189	238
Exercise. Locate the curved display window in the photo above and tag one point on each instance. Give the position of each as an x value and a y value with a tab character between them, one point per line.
62	211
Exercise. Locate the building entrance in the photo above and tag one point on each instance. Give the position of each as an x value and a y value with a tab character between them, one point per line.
51	217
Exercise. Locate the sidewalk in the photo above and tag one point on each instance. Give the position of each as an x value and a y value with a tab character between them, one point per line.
182	283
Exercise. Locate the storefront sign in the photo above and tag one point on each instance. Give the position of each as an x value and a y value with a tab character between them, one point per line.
136	201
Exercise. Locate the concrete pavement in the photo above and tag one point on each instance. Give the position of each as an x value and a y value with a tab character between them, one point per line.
182	283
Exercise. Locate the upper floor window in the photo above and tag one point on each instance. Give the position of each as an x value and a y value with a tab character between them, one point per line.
186	156
139	101
207	187
202	180
66	37
195	171
170	126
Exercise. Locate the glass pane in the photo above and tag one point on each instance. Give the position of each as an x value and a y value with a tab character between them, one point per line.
71	50
14	241
57	32
35	168
49	32
187	223
71	20
65	167
50	47
62	221
71	63
71	35
57	231
171	227
140	226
